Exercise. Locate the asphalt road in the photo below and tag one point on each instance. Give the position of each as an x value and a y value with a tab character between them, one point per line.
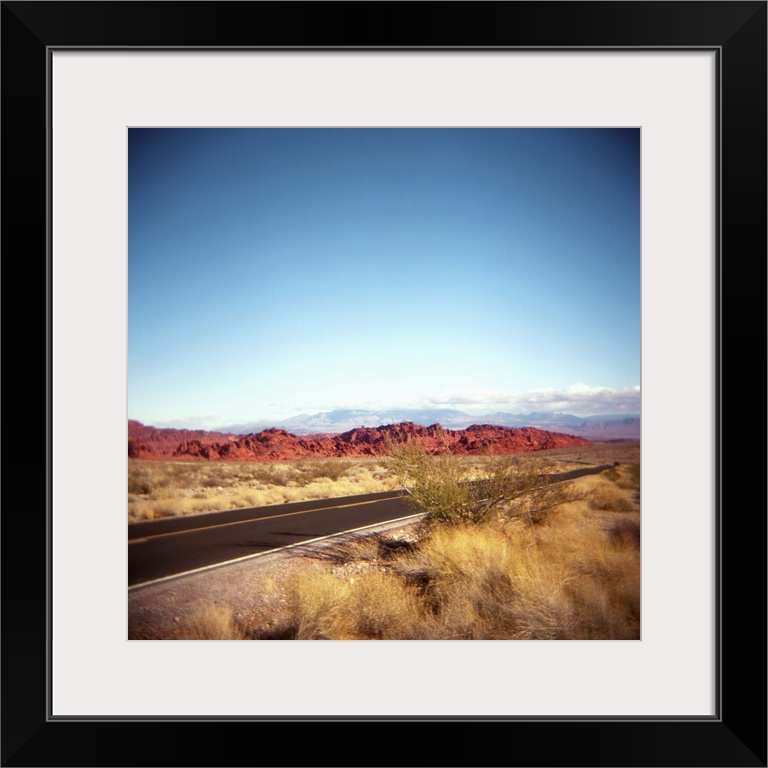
575	473
162	548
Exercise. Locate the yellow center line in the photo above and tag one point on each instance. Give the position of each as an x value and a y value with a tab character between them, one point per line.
255	519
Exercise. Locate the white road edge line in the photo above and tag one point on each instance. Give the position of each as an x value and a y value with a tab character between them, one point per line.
268	552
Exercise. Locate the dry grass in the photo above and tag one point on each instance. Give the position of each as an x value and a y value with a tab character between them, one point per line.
615	490
159	488
212	621
173	488
598	453
573	576
483	583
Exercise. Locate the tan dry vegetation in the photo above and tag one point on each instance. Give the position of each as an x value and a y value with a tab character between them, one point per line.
172	488
211	621
574	575
624	452
158	488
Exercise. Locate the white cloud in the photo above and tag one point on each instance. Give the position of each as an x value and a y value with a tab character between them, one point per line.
577	399
466	396
191	422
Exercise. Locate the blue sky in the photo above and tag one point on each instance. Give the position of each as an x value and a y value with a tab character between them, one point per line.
273	272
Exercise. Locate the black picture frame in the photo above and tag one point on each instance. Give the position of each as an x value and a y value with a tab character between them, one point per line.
736	735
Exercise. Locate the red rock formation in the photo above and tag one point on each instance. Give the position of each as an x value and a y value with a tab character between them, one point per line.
277	444
151	442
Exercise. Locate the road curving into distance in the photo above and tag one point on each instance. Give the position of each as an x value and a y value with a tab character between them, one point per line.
161	549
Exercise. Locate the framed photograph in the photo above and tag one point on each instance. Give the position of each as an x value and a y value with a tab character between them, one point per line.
689	80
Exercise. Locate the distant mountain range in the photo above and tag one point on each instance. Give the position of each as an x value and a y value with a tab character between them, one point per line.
604	427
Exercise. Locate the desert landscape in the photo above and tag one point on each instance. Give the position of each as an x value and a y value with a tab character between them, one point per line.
561	562
180	472
384	383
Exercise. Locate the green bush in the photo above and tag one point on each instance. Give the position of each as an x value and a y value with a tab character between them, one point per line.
453	490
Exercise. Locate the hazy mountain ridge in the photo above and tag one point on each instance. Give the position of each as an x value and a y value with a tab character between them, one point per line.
606	427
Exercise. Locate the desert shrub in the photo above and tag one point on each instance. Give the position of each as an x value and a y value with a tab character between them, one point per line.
140	479
632	475
603	588
613	474
165	510
382	607
624	530
436	484
368	605
610	498
380	473
314	602
483	583
139	486
626	476
280	475
139	512
606	600
575	577
333	469
457	490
